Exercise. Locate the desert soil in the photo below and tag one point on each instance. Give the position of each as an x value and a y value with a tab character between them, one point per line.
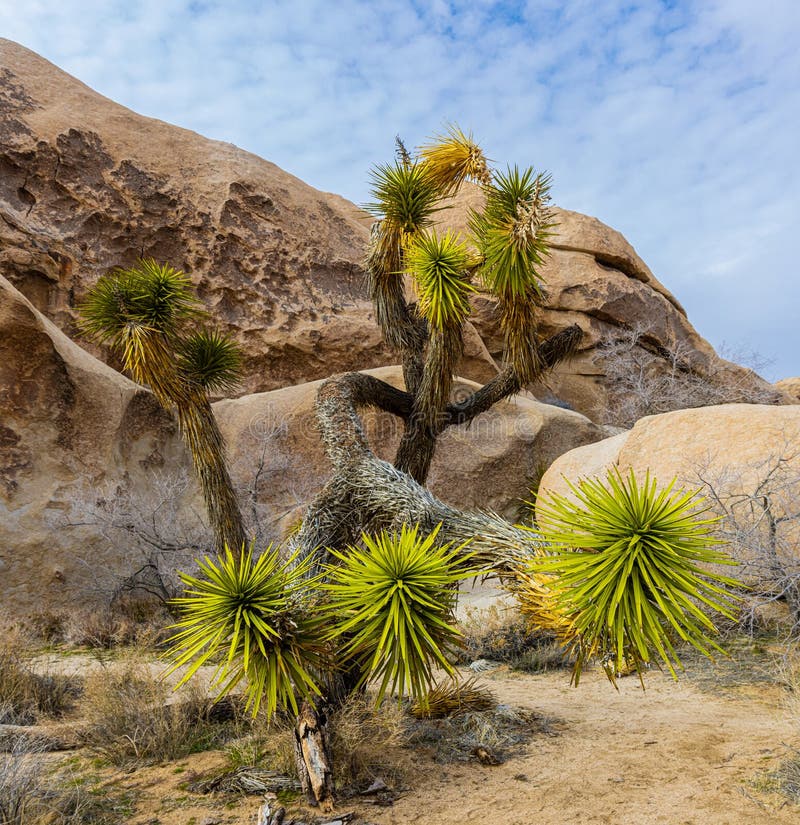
677	753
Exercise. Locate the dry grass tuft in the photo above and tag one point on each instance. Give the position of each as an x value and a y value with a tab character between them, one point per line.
449	698
133	719
26	696
366	741
501	731
504	635
29	797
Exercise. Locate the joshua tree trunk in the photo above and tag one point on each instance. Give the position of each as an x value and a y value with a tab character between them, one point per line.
207	447
366	494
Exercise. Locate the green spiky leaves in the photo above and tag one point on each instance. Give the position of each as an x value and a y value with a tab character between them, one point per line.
453	158
250	618
512	234
391	607
144	313
438	264
405	196
150	295
630	571
211	360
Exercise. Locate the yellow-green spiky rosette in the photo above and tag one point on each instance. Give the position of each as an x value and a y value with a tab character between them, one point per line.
632	569
247	617
453	158
438	264
391	603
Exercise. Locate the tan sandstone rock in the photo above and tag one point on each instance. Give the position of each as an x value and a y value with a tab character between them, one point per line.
745	454
86	184
72	431
791	387
85	452
493	463
594	278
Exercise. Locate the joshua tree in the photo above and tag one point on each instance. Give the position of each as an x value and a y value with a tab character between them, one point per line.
365	589
503	253
144	313
506	245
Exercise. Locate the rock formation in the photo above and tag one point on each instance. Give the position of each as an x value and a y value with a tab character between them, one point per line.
85	455
743	458
86	184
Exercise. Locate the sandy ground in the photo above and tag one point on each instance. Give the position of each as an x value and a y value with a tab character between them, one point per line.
672	754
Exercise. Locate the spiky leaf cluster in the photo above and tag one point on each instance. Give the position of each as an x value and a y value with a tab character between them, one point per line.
405	196
391	607
451	697
150	295
144	314
251	619
438	264
511	234
211	360
454	158
629	566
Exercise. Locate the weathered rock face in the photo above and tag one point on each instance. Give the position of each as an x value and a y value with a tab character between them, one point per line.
86	185
791	387
743	456
72	432
85	454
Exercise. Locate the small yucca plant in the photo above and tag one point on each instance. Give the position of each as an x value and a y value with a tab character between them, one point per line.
391	603
251	618
628	569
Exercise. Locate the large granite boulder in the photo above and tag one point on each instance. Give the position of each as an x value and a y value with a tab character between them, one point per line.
86	184
95	482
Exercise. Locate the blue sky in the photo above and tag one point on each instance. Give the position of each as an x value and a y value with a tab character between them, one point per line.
674	121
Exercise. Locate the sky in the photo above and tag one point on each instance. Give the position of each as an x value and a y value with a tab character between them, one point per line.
673	121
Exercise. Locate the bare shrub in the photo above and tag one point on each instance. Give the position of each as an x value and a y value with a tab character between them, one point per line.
504	635
759	506
158	530
27	797
131	720
646	378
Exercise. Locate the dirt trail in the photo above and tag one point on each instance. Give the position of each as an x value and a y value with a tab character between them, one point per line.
671	755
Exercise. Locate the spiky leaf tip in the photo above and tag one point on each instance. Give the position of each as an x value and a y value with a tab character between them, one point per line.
405	197
438	264
391	603
453	158
212	360
512	233
250	618
633	569
149	295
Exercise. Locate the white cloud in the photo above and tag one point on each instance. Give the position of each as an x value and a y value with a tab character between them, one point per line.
675	122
